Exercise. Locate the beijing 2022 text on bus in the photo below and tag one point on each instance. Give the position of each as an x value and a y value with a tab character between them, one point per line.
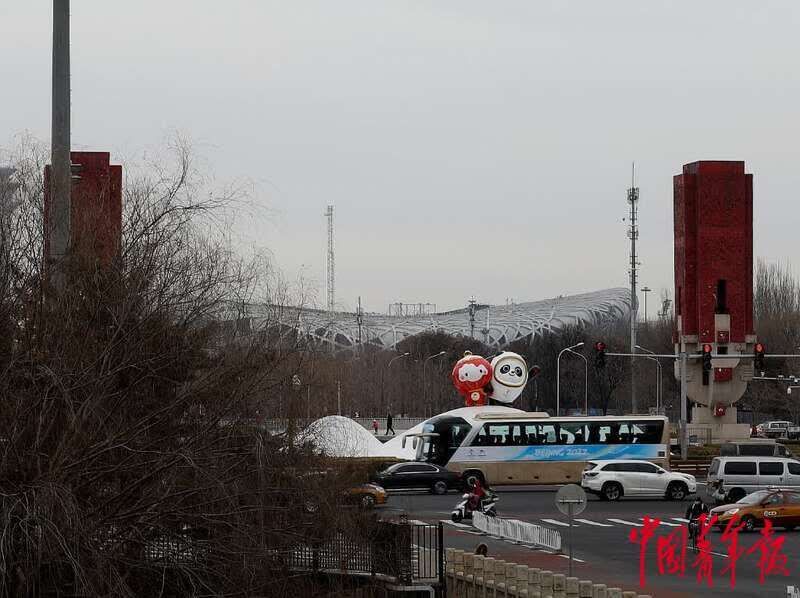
535	448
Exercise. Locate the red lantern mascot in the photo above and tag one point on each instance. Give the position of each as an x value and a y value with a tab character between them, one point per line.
470	375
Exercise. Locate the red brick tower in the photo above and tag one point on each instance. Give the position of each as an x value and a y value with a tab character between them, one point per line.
713	203
96	206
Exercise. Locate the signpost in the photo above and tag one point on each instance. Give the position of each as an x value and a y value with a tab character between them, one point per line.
571	501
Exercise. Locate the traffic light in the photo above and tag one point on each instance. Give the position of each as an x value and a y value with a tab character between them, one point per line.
707	350
758	357
599	355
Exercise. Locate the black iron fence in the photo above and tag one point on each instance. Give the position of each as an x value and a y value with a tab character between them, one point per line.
405	552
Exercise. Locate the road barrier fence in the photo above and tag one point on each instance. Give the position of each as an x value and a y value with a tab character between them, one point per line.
518	531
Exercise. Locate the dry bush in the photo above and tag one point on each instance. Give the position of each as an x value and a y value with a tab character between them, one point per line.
127	465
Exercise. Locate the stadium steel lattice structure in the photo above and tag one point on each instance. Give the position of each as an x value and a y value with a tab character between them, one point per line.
497	326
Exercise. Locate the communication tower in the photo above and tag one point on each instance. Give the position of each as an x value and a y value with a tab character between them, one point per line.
330	274
633	235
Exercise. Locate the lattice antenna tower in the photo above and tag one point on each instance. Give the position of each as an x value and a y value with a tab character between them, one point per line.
633	235
330	277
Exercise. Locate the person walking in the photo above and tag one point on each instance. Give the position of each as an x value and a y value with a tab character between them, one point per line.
389	424
375	426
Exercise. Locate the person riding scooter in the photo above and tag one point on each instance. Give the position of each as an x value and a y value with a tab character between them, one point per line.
476	495
693	513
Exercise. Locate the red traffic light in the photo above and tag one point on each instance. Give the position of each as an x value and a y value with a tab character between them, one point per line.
707	348
599	346
759	348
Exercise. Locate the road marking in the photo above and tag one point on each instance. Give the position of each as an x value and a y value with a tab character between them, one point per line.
664	522
556	522
566	556
623	522
681	519
598	524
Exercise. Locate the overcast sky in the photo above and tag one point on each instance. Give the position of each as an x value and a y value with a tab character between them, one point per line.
469	147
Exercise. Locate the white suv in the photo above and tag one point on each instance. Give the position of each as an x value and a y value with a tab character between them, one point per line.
611	480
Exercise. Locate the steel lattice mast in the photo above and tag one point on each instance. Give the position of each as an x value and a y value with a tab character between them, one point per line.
633	235
330	275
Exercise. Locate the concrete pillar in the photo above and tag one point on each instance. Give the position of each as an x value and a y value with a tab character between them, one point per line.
599	591
466	582
629	594
546	579
449	559
614	593
534	582
559	585
585	589
500	578
489	564
522	580
572	587
478	576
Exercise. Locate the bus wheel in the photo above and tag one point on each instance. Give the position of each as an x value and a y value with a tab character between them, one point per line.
470	477
612	491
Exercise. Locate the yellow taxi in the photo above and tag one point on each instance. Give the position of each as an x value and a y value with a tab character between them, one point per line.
368	495
779	505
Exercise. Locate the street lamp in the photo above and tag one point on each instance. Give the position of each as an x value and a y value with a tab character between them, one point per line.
425	379
383	374
558	374
659	378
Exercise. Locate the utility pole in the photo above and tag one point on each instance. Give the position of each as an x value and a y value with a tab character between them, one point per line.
359	321
684	392
472	303
58	227
633	235
331	270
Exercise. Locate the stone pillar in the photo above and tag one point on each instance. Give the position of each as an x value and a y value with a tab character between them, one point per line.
559	585
572	587
600	591
546	580
585	589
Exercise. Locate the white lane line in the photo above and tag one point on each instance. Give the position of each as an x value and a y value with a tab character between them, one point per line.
681	519
623	522
597	523
667	523
556	522
566	556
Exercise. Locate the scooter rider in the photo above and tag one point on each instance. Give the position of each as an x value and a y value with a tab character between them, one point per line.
693	513
476	495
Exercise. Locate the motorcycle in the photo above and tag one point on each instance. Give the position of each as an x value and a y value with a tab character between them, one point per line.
488	506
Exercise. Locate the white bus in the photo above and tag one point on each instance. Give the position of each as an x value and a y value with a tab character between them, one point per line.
515	447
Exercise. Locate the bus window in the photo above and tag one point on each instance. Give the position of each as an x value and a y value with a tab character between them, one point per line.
532	433
648	432
548	434
599	433
574	433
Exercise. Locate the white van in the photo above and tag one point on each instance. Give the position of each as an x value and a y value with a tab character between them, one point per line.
732	478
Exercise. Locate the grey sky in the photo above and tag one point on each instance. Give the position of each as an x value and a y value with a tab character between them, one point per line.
469	147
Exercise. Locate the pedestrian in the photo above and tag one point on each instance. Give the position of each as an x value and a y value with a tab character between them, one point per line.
389	424
375	426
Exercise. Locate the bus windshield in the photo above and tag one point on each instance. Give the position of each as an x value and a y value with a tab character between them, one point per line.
449	433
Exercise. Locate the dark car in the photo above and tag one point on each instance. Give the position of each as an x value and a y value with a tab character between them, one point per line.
418	475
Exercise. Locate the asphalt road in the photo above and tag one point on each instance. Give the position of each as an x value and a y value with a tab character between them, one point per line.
601	545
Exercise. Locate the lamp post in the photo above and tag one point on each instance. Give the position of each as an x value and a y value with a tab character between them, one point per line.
383	375
659	378
558	374
425	379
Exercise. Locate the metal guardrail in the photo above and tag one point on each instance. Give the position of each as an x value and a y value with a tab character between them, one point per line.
519	531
